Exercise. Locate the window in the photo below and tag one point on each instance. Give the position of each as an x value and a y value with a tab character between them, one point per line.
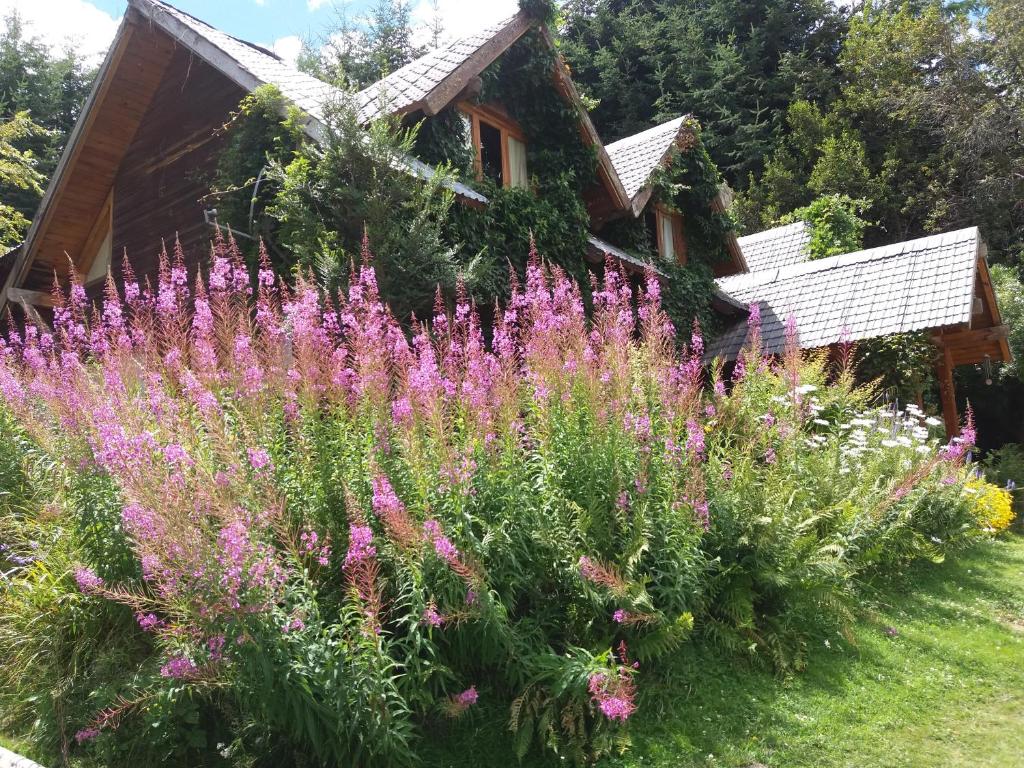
669	232
499	145
98	246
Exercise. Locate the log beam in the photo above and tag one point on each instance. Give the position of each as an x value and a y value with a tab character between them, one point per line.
947	392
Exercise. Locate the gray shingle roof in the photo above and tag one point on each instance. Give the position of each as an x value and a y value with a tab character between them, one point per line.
607	249
635	157
409	85
909	286
306	91
251	66
778	247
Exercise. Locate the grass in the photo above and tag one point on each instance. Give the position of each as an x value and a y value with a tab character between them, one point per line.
946	687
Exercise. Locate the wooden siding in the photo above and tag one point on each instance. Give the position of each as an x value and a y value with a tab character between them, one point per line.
135	68
167	168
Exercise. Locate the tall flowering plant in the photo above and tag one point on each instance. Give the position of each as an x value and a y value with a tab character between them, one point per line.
329	513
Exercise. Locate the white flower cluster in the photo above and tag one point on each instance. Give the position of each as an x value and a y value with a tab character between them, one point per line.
889	429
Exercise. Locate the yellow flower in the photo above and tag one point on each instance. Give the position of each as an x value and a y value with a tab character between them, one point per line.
992	505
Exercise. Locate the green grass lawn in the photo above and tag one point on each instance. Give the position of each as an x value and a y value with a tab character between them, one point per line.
946	690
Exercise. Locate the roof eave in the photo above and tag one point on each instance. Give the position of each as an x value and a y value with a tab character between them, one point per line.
56	183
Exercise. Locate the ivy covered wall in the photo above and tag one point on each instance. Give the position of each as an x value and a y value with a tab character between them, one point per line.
308	213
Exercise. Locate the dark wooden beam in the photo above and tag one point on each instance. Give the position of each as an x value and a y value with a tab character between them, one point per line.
947	393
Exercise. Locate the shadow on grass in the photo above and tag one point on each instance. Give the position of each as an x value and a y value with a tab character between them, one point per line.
709	708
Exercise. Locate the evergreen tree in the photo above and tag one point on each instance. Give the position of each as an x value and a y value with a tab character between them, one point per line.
357	54
734	64
51	90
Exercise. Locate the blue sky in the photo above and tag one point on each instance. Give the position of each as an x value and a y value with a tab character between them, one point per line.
280	24
264	21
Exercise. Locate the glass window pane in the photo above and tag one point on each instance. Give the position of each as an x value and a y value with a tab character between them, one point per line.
517	163
668	250
490	152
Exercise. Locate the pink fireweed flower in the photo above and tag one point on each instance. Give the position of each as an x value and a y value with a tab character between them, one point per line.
694	439
613	694
432	617
294	625
468	697
87	580
443	546
390	509
148	621
360	545
259	459
215	645
179	668
620	616
311	546
86	734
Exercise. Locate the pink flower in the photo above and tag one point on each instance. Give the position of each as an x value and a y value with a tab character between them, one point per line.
613	694
694	438
432	617
468	697
87	580
620	616
259	459
179	668
86	734
443	546
360	545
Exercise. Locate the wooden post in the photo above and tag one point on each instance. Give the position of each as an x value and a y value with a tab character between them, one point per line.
944	373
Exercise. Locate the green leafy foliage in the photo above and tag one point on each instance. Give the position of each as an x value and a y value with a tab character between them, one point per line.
551	213
41	94
836	225
18	171
735	65
902	366
1010	297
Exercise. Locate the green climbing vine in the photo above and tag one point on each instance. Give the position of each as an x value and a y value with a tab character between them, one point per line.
314	201
560	165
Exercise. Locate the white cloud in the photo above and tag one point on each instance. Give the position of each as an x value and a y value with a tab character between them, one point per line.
316	5
288	48
260	3
63	22
460	18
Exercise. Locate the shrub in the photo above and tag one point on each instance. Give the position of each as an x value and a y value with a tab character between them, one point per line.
278	523
992	505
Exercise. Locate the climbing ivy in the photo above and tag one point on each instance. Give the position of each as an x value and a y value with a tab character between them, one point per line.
836	222
315	201
560	164
256	135
687	183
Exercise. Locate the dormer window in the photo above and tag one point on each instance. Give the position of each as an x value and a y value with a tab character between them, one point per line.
668	227
499	146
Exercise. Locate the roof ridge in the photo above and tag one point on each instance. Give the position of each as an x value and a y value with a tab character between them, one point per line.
646	132
853	257
262	49
773	231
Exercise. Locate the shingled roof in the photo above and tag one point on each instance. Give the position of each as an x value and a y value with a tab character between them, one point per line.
410	87
252	66
910	286
777	247
635	157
